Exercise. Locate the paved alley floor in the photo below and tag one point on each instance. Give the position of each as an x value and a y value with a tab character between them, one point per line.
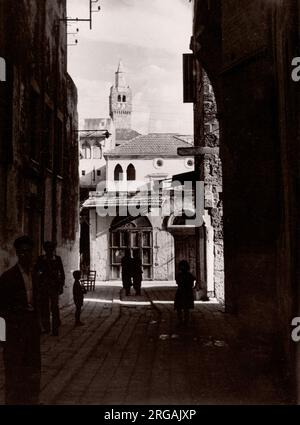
131	351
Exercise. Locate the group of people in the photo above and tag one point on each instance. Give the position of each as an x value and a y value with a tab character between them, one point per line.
132	272
30	291
29	295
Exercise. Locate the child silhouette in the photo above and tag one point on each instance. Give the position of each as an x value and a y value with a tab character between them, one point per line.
184	298
78	293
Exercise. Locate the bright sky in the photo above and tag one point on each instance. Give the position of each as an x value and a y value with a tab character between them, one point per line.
150	37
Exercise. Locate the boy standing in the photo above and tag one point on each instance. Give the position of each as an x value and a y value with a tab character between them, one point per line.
78	293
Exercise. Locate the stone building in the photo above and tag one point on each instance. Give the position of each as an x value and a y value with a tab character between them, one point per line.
132	170
148	200
246	49
135	165
99	136
39	184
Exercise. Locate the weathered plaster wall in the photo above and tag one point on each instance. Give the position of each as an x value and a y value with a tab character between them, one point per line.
38	141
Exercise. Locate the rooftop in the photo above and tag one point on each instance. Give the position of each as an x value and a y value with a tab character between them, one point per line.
154	144
125	134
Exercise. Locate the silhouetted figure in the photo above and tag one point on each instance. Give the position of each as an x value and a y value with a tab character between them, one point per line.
78	295
126	263
184	298
137	272
19	308
52	280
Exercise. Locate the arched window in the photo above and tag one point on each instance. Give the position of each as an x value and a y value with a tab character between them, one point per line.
130	172
118	173
97	151
124	98
119	98
86	150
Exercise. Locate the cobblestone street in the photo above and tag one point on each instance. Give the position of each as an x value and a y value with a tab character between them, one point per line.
131	351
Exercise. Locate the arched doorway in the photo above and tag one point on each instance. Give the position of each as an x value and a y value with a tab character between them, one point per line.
135	234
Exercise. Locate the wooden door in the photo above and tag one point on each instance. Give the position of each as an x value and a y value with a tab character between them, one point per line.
185	249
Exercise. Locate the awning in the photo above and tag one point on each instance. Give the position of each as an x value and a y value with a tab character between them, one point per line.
190	176
125	199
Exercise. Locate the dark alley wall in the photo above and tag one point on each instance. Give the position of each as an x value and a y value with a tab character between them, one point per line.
246	49
38	123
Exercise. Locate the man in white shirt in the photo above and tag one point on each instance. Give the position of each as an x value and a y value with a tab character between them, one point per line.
19	308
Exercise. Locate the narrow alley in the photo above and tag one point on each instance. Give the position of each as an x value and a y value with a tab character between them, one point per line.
131	351
147	142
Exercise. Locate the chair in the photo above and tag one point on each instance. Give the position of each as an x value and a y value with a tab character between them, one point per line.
88	280
92	279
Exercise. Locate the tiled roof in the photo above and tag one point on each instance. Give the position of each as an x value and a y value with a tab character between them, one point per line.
155	144
125	134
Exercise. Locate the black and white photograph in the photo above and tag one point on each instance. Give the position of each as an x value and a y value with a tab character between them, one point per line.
149	205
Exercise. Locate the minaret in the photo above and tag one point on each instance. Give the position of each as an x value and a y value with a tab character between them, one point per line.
120	100
120	77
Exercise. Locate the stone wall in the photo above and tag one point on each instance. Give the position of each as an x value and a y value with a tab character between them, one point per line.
213	184
247	49
286	33
206	128
99	244
38	140
69	253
